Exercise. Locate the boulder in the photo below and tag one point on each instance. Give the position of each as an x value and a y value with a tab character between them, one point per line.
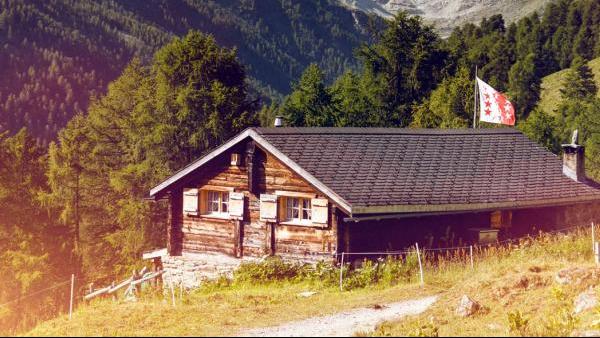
578	276
565	276
585	301
467	307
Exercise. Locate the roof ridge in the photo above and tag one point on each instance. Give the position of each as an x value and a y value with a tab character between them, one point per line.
382	131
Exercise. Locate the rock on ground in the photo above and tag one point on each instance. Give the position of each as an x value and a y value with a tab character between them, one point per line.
345	323
577	276
585	301
467	307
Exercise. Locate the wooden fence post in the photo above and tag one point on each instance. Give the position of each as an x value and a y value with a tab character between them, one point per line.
593	238
72	294
342	273
471	252
420	264
172	289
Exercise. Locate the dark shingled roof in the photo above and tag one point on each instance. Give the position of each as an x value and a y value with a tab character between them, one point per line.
416	170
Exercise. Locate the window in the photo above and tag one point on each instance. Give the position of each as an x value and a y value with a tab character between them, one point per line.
298	209
217	203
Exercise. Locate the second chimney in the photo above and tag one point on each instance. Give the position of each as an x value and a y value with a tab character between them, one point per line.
278	122
574	159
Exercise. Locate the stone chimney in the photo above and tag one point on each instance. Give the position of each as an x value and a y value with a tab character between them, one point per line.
574	159
278	122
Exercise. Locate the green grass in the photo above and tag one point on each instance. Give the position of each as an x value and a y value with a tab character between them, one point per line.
551	85
508	282
219	312
505	280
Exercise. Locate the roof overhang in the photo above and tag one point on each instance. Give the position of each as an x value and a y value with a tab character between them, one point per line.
160	189
403	211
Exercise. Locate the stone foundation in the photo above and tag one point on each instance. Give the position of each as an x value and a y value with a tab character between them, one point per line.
192	269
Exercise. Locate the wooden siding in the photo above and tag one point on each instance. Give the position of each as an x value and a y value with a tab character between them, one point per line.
202	234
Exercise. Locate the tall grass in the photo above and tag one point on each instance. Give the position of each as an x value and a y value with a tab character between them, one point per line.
268	293
440	266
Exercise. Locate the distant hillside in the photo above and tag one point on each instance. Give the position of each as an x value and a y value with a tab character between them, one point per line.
551	85
55	54
447	14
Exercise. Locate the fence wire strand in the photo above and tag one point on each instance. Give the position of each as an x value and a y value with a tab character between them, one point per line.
510	240
35	293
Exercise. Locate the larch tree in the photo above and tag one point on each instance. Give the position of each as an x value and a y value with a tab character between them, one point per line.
153	120
310	103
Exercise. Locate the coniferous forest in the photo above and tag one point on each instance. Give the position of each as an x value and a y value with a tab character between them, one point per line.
102	100
56	55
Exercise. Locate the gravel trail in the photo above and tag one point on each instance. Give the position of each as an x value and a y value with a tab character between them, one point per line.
345	323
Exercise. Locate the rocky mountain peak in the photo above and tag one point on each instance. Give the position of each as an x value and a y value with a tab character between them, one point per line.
447	14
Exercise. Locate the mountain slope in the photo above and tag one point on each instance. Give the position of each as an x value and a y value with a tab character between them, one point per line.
552	84
55	54
505	279
447	14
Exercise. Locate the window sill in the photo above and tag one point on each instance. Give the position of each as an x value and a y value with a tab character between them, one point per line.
217	216
302	224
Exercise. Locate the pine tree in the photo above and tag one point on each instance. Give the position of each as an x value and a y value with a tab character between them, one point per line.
152	121
32	246
541	128
401	68
588	124
524	85
450	105
353	107
310	103
579	81
201	90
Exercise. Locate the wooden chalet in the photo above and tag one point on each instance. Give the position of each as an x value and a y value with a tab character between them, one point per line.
306	194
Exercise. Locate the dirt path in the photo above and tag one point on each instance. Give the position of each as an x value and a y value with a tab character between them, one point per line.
344	323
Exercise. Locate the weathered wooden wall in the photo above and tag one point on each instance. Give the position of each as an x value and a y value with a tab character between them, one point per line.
202	234
399	234
453	230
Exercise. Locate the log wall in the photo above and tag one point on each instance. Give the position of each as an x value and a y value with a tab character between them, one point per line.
250	237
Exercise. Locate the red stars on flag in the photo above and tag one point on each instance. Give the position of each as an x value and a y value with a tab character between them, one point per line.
495	107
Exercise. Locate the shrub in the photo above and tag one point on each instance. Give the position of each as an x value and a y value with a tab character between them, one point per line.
387	272
362	277
270	270
384	272
517	323
216	284
322	272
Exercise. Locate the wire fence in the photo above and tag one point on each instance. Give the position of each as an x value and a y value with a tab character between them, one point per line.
35	293
349	255
420	252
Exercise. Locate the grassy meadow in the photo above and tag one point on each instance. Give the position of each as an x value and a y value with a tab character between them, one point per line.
514	284
551	85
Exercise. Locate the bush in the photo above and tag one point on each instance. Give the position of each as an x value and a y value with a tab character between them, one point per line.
270	270
517	323
387	272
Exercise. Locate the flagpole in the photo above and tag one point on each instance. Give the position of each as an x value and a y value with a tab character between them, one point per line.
475	103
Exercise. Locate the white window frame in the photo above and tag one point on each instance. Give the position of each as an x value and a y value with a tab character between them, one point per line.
217	198
300	206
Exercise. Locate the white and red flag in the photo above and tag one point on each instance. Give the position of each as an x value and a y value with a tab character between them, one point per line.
495	107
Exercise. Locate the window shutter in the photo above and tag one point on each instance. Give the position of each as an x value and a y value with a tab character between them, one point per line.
236	204
268	207
203	202
320	210
190	201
